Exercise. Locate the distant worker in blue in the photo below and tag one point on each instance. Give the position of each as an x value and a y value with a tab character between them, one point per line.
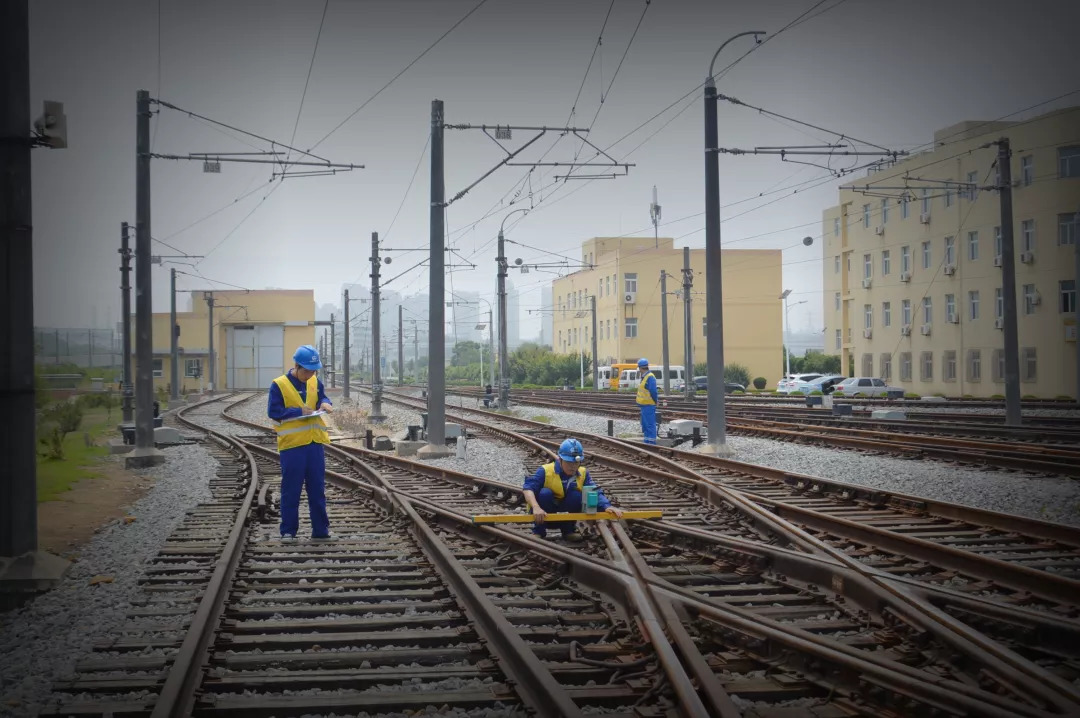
300	441
556	488
646	399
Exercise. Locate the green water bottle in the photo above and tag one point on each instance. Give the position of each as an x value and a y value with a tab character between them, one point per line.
589	499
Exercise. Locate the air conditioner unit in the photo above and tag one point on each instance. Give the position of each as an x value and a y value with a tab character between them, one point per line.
630	298
999	323
997	261
866	283
924	218
953	319
905	331
1036	299
905	276
1027	257
879	230
950	269
925	330
867	333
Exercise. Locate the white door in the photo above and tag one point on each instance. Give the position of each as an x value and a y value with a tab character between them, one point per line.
255	355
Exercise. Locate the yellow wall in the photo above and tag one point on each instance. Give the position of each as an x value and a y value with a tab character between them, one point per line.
1043	200
752	309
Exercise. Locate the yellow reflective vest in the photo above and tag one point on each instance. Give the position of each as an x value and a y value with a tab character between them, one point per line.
553	480
643	395
305	430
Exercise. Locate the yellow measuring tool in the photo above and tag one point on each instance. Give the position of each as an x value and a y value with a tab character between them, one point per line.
553	517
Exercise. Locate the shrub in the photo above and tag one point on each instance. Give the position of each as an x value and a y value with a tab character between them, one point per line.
1065	397
816	392
737	393
737	373
1029	396
759	382
911	395
56	423
997	396
938	393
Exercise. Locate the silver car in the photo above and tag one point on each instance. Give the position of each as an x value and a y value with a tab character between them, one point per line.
865	386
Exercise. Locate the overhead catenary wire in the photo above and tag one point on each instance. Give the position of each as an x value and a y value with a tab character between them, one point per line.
307	81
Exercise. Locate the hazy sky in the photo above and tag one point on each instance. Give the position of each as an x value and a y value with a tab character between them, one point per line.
886	72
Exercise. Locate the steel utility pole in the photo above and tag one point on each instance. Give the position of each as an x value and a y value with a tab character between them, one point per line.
504	374
128	400
1008	287
333	353
345	349
211	370
688	336
436	447
400	347
663	331
1076	295
491	343
416	353
144	454
376	370
595	363
174	369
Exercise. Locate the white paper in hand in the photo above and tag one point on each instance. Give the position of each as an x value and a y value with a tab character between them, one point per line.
305	416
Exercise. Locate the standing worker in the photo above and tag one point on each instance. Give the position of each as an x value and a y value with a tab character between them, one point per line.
646	399
300	437
557	487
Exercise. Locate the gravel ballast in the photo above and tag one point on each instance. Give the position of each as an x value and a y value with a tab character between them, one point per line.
41	642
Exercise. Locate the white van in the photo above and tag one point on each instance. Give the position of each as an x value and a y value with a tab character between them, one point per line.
677	377
628	380
604	374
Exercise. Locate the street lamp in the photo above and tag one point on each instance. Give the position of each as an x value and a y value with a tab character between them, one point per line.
500	260
714	299
807	241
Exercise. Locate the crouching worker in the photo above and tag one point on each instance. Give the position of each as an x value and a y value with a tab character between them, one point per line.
556	488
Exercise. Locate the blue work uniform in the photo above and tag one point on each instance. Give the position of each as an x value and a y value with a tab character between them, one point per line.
303	467
547	489
646	399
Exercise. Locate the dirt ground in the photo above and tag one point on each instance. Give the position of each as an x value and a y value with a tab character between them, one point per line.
70	521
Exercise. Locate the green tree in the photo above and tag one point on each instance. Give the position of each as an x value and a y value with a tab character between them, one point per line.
701	368
465	353
737	373
816	361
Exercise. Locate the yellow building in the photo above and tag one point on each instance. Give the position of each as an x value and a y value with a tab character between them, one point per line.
255	335
911	274
625	278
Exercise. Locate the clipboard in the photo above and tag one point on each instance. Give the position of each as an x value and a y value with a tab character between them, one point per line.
303	416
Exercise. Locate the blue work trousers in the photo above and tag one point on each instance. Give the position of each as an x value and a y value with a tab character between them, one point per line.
569	503
304	467
648	422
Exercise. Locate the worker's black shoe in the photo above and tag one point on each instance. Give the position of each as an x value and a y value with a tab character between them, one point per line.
573	537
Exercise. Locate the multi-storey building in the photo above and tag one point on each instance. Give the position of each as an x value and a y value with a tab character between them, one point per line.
912	277
625	279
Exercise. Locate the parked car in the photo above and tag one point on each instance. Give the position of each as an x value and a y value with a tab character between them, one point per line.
865	386
825	384
787	384
702	383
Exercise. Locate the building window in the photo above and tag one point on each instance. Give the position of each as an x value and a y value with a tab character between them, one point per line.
999	304
866	215
997	241
836	226
999	366
607	285
926	200
886	366
193	368
867	267
974	365
836	264
836	301
1030	298
950	250
973	246
867	364
948	193
1027	170
560	339
1028	368
838	339
704	327
631	282
905	260
158	370
904	206
849	261
973	304
575	341
1067	288
1027	235
948	365
926	366
886	262
905	312
927	310
1069	161
1068	227
972	190
849	335
886	314
631	327
926	254
950	307
884	211
905	366
868	316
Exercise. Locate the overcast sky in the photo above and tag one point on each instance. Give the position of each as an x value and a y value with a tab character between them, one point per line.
885	72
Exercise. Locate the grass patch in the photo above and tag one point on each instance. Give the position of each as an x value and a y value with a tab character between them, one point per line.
541	419
55	476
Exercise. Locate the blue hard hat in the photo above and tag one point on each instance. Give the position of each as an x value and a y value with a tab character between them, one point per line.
643	362
307	356
571	450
